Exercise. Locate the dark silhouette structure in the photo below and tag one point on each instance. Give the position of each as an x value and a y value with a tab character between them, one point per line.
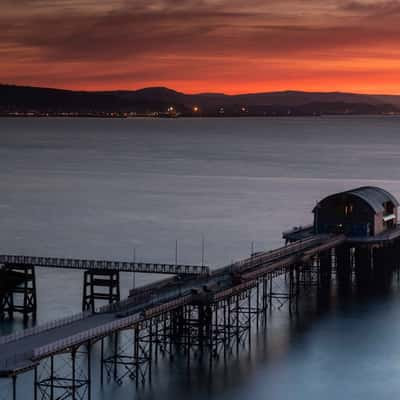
361	212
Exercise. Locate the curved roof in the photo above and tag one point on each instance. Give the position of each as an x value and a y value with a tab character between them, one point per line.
374	196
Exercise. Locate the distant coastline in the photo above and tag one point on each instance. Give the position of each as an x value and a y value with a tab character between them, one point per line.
159	102
117	116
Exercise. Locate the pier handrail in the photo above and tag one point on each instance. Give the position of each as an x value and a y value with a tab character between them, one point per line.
81	337
128	302
144	305
104	265
12	362
43	327
271	255
106	329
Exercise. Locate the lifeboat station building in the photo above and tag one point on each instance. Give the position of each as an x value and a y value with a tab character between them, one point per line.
366	214
367	220
362	212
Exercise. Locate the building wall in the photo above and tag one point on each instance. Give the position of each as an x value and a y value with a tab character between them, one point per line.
355	215
379	228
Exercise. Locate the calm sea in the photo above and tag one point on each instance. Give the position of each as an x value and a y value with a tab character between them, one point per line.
102	188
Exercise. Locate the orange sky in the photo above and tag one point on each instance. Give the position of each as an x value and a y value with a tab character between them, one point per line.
228	46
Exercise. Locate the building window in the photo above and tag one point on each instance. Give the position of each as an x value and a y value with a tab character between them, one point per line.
348	209
389	207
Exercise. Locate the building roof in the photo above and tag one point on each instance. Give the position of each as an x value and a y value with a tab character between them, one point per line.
374	196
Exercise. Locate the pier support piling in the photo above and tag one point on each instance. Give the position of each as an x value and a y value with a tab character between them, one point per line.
65	376
363	266
101	286
344	270
132	354
18	291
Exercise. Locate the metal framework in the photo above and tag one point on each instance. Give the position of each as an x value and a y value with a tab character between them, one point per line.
131	355
19	293
100	286
204	325
65	375
122	266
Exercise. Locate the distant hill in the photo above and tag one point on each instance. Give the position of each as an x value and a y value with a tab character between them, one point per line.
159	99
395	100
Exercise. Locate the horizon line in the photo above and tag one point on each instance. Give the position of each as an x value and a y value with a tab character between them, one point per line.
198	93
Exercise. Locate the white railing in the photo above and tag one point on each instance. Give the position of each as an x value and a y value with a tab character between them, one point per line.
43	328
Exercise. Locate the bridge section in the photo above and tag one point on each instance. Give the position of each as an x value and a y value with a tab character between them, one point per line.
103	265
100	280
185	312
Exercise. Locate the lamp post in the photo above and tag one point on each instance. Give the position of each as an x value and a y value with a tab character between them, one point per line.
134	273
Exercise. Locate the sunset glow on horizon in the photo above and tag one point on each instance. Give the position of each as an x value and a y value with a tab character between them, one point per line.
203	45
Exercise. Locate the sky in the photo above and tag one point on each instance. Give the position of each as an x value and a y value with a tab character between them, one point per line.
228	46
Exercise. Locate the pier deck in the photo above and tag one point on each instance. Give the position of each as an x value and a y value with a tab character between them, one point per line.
19	352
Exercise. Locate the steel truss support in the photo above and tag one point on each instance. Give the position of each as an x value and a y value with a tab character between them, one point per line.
8	388
309	274
363	266
284	287
220	327
260	302
132	354
325	261
65	375
100	285
231	324
383	265
394	251
18	291
344	257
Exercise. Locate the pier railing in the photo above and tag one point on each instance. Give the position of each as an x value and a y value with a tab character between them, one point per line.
108	328
43	327
12	363
128	302
271	255
104	265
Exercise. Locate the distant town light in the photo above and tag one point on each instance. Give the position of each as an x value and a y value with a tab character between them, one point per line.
195	109
170	109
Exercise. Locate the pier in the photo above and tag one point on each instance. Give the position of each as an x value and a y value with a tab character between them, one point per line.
198	312
100	279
